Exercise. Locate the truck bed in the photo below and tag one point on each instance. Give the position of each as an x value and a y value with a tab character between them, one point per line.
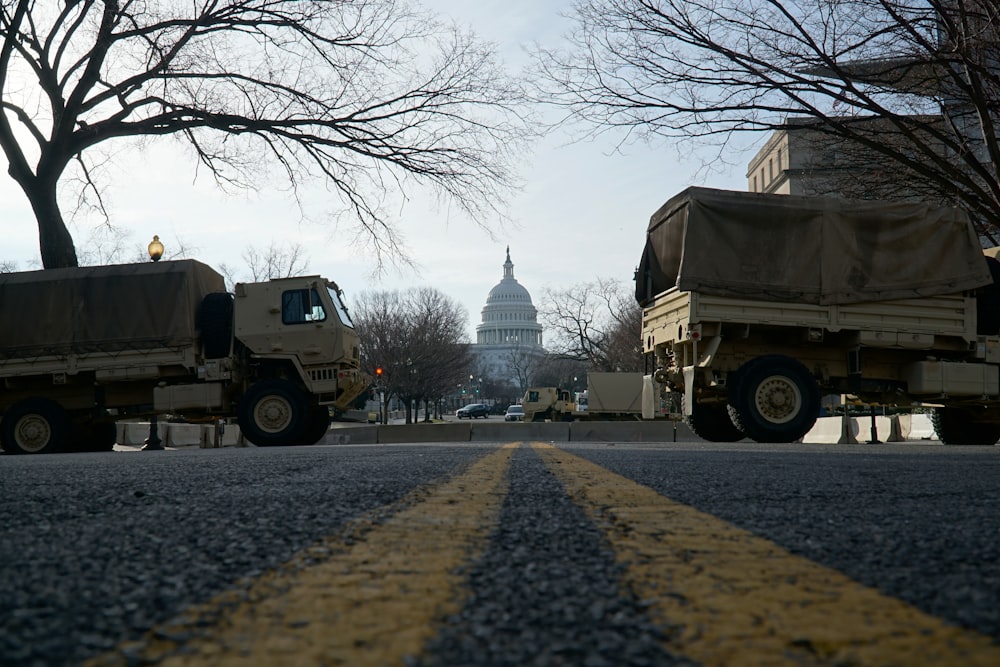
122	365
908	323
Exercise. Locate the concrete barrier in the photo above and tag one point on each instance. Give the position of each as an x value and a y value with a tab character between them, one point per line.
180	435
920	428
893	428
827	430
133	433
366	434
229	437
832	430
403	433
175	435
520	431
628	431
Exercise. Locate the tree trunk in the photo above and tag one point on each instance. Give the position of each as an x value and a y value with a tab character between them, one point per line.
54	239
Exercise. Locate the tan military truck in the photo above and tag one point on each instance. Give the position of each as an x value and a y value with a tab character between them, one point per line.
755	305
82	347
609	396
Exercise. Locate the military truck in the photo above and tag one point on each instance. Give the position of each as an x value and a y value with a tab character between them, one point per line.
609	396
83	347
755	305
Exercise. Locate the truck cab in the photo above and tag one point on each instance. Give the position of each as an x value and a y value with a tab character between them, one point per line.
541	403
303	322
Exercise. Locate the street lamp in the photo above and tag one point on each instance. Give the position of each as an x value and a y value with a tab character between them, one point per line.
155	249
153	442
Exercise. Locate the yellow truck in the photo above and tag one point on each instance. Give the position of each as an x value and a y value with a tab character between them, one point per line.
609	396
755	305
83	347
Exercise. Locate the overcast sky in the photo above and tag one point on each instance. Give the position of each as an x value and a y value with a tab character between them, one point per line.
581	215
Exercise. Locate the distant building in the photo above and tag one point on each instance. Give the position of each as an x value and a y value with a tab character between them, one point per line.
799	159
509	338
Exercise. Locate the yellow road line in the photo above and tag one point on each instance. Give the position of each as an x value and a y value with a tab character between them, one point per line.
732	598
372	602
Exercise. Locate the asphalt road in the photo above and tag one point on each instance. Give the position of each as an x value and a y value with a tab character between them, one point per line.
524	554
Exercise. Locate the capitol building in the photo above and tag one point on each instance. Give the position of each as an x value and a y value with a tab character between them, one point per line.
509	338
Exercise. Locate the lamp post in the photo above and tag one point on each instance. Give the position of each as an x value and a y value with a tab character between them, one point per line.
155	249
153	442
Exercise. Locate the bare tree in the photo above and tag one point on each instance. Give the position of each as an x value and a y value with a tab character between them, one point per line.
598	323
109	244
500	391
418	339
438	351
928	70
275	261
523	362
368	97
380	319
559	371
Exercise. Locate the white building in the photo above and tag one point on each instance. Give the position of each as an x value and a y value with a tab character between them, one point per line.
509	338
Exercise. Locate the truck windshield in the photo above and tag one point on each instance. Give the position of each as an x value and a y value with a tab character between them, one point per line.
339	305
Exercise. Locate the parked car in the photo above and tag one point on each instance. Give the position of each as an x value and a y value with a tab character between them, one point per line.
515	413
473	410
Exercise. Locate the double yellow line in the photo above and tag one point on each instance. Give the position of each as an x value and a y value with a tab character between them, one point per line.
738	599
726	596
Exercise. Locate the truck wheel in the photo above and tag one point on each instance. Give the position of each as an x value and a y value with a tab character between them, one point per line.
711	421
955	426
273	413
319	424
774	399
34	426
91	436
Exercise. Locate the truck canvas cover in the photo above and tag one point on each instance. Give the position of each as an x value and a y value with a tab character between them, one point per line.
819	250
103	308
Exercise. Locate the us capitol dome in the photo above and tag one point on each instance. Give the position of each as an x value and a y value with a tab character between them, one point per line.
509	338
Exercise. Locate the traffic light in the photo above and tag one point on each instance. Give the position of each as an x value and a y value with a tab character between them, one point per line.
378	372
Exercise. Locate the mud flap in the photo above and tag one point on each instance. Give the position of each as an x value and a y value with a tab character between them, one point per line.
650	396
688	390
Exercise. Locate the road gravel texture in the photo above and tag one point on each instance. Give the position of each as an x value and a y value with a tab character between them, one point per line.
97	549
919	523
547	591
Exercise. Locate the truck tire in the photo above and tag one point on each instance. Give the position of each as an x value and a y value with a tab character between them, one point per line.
711	421
274	413
92	436
955	426
34	426
319	424
774	399
215	321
